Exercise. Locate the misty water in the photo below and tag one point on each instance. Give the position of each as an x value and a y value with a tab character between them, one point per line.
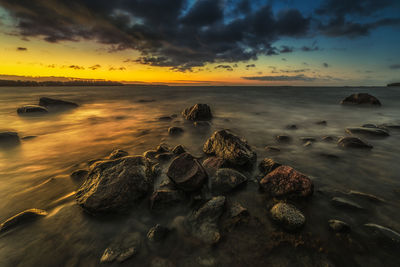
36	174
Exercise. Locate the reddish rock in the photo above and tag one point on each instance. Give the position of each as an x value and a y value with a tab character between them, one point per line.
285	181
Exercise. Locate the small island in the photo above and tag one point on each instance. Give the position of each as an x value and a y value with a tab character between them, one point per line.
393	85
17	83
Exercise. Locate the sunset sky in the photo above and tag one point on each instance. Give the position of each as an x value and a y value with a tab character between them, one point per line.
205	42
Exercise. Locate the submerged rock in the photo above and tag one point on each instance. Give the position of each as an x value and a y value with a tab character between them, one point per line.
118	153
328	139
202	124
165	118
31	109
291	127
179	149
390	125
308	139
165	197
272	149
345	203
283	138
366	196
203	223
212	164
79	175
187	173
368	131
383	232
52	102
230	147
124	247
321	123
175	130
157	233
8	139
22	217
226	180
267	165
361	99
353	142
114	185
285	181
198	112
288	216
338	226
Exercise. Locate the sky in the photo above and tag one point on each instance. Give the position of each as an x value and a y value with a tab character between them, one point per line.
203	42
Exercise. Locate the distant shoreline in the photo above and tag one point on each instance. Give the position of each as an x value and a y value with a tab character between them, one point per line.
19	83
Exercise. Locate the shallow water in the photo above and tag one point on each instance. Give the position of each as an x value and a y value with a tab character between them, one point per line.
35	174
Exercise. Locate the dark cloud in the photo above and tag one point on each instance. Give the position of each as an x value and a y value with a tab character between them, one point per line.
226	67
76	67
115	68
326	65
22	49
249	66
286	49
167	33
313	47
294	71
394	66
95	67
300	77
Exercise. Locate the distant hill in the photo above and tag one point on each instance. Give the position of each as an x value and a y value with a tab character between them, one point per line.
393	84
12	83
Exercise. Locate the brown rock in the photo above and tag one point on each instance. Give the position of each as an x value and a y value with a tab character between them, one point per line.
198	112
361	99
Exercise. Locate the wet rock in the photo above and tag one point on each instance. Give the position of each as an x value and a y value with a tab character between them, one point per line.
9	139
79	175
230	147
157	233
202	124
198	112
118	153
175	130
114	185
368	131
328	156
29	137
308	139
31	109
226	180
164	156
288	216
124	247
272	149
237	210
162	148
165	118
339	226
52	102
366	196
146	100
21	218
165	198
383	232
321	123
283	138
150	154
285	181
308	144
161	262
353	142
203	223
390	125
267	165
370	125
212	164
187	173
328	139
345	203
179	149
291	127
361	99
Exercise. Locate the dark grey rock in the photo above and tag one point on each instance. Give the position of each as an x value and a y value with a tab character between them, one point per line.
283	138
79	175
321	123
361	99
9	139
291	127
175	130
328	139
353	142
52	102
165	197
226	180
179	149
267	165
21	218
339	226
288	216
202	124
390	125
368	131
157	233
308	139
198	112
122	248
308	144
272	149
383	232
164	156
165	118
345	203
118	153
366	196
31	109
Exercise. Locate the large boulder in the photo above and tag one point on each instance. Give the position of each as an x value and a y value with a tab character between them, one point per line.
114	185
285	181
9	139
353	142
187	173
230	147
368	131
361	99
52	102
226	180
288	216
31	109
198	112
22	217
203	223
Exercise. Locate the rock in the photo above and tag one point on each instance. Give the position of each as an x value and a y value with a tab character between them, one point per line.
361	99
308	139
202	124
267	165
345	203
9	139
203	223
31	109
212	164
338	226
161	262
28	137
230	147
79	175
272	149
383	232
124	247
118	153
164	156
165	118
353	142
179	149
175	130
308	144
288	216
157	233
285	181
328	156
164	198
366	196
370	125
198	112
22	217
237	210
283	138
114	185
226	180
51	102
146	100
291	127
390	126
321	123
150	154
368	131
328	139
187	173
162	148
